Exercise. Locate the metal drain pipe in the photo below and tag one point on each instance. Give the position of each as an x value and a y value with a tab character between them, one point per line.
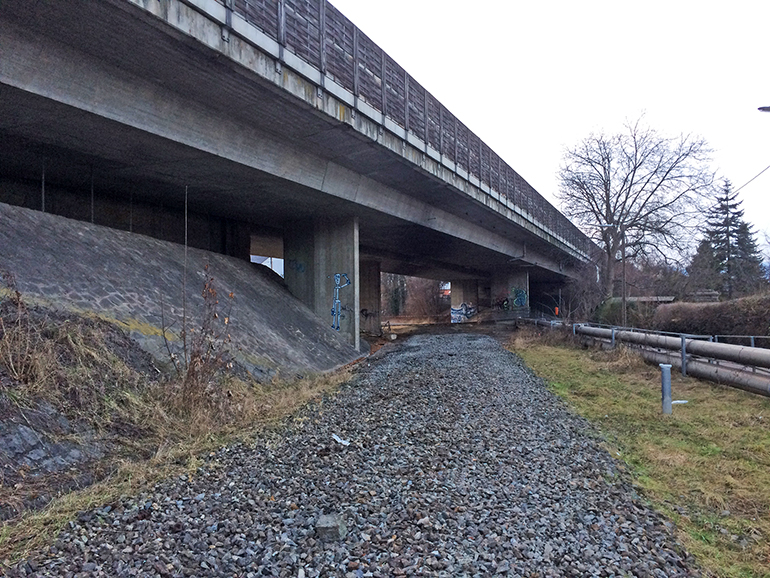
744	380
753	356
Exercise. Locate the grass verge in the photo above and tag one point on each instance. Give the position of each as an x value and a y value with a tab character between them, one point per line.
179	450
707	466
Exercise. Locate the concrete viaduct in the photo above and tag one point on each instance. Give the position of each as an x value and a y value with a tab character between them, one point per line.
269	127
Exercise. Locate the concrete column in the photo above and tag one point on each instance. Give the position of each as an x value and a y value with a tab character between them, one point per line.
510	294
316	253
465	300
370	297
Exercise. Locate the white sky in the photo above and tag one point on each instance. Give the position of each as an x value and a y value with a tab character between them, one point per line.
531	78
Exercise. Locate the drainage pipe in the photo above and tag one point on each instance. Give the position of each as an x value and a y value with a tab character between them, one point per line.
752	356
744	380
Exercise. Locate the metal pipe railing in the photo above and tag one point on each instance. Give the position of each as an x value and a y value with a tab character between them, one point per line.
681	347
753	356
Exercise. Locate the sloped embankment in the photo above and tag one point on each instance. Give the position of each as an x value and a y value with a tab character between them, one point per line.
136	282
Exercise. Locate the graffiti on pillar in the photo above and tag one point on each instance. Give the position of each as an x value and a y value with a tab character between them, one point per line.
463	313
519	297
366	314
513	299
337	304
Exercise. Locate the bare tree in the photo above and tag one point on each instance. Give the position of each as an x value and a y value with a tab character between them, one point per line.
636	192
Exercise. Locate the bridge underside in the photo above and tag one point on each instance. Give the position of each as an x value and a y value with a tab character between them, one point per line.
122	128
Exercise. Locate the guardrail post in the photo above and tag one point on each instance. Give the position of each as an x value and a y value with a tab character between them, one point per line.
665	387
612	343
684	355
574	328
752	341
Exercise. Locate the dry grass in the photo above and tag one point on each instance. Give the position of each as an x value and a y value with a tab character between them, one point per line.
85	369
707	466
177	445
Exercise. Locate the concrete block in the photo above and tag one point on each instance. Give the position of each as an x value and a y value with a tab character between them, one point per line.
331	527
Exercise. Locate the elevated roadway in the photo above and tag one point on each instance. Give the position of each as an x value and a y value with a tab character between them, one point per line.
279	129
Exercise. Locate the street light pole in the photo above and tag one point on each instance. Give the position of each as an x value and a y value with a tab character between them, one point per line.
625	308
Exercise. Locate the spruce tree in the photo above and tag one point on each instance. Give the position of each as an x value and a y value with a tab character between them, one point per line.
728	259
704	270
748	272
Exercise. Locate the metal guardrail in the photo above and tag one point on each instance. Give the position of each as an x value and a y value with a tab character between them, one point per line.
320	35
680	349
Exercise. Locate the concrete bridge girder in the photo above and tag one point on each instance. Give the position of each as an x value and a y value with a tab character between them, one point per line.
150	127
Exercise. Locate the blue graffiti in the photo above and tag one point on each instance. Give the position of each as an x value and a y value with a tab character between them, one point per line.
337	307
463	313
519	297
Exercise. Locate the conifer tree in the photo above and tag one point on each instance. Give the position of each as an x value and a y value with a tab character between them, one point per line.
728	259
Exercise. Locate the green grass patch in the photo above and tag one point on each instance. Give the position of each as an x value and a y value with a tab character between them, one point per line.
707	466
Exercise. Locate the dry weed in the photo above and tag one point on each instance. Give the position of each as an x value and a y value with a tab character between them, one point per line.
164	426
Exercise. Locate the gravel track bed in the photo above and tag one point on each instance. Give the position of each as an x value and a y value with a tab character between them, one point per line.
459	463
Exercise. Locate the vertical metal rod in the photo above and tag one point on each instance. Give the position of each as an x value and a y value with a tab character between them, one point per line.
684	355
92	194
425	116
716	339
625	303
184	284
322	38
574	329
185	228
383	85
42	189
440	129
613	338
406	101
752	341
356	58
665	387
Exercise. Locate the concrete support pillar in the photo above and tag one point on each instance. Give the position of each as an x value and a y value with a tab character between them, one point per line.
370	298
510	294
321	269
465	300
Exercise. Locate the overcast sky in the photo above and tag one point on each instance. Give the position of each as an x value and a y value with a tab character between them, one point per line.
531	78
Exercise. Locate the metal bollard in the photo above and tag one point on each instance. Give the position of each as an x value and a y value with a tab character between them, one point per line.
665	386
684	355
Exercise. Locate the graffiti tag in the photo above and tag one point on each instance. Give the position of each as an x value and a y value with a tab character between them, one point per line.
462	313
516	298
519	297
336	304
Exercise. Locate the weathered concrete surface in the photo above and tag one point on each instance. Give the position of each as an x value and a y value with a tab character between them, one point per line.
135	281
254	139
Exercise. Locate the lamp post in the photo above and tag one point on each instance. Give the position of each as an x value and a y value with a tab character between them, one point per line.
624	307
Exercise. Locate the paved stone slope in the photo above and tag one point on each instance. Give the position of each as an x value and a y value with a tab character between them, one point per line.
134	281
451	459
